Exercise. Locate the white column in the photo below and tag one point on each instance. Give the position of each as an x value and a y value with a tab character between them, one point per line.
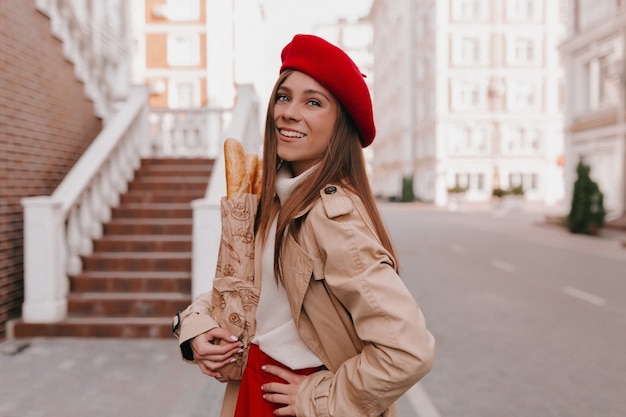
206	234
45	281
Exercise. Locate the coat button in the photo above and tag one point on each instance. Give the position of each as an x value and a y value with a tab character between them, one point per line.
330	189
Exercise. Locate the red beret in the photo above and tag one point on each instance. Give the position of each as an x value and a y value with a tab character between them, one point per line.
333	68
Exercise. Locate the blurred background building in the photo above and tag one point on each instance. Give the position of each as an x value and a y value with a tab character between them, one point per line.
594	56
468	94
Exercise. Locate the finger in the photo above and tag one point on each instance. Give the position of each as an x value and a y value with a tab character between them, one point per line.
225	335
215	366
282	373
276	398
205	370
286	411
216	352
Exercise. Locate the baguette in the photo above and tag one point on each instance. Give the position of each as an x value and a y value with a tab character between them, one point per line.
243	171
235	166
250	163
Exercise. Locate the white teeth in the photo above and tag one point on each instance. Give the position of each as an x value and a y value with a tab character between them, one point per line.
291	134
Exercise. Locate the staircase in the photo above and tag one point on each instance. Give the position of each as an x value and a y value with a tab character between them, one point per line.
139	274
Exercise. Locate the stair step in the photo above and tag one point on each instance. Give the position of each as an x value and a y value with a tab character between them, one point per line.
124	281
143	243
148	226
175	170
114	327
126	304
155	162
180	185
160	196
146	211
173	179
138	261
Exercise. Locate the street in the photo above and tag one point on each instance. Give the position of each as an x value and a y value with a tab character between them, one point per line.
529	320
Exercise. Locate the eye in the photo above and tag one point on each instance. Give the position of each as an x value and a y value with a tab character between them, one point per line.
315	103
282	97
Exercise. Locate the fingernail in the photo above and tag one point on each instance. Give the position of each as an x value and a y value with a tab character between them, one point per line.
234	338
233	360
263	367
240	351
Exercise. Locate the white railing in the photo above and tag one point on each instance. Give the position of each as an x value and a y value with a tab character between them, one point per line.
96	40
207	228
187	132
60	228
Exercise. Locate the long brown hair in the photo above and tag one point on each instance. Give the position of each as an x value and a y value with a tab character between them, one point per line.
343	163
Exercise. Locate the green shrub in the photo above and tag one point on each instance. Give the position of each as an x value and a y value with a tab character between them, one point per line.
457	189
499	192
587	209
407	189
519	190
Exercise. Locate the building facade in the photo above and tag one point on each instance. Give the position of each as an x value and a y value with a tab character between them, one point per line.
192	53
595	125
474	101
64	69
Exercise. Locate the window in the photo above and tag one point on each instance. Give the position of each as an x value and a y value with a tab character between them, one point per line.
470	181
524	51
470	51
528	181
465	140
183	10
522	95
461	180
608	81
479	180
601	82
469	96
515	179
468	9
183	50
532	140
521	140
184	94
520	10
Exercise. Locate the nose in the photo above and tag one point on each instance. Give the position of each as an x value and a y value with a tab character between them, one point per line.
290	111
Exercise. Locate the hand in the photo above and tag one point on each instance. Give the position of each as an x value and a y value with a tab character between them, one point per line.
211	356
282	393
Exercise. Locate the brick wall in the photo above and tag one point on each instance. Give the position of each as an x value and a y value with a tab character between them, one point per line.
46	122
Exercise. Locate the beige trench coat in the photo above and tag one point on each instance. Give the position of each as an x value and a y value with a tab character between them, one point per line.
350	308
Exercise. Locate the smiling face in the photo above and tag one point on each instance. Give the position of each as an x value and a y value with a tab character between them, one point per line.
305	114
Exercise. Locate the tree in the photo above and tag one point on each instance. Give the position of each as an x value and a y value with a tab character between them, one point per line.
587	210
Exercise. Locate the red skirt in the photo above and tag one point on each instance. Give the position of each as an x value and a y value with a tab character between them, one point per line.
250	401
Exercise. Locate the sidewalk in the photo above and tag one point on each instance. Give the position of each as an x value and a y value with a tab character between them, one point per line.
533	222
103	378
107	378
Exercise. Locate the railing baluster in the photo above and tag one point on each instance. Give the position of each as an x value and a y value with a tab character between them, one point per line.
73	238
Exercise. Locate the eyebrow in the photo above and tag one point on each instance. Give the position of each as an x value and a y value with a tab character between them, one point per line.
308	91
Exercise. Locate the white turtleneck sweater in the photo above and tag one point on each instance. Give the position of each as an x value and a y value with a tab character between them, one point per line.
276	333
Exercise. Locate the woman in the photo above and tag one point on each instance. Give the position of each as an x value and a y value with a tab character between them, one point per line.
337	332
